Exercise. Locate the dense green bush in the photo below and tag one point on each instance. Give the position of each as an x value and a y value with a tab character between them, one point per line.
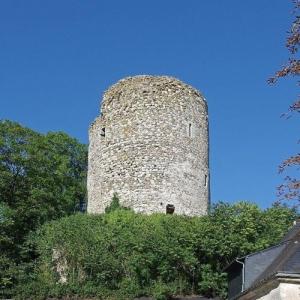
121	255
117	255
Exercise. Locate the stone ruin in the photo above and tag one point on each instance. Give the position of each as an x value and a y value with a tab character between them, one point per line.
150	146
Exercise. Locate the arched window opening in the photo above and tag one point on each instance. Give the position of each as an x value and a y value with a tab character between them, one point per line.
170	208
102	132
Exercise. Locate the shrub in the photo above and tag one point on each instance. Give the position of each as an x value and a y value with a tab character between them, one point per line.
122	255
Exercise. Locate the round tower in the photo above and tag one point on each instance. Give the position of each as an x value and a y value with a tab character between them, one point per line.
150	146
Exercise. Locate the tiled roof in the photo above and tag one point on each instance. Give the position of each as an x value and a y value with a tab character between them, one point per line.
292	233
288	260
255	269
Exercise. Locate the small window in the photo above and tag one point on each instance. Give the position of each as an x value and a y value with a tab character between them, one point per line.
205	180
190	130
170	208
102	132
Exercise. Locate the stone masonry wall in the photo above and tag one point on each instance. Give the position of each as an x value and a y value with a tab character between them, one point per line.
150	146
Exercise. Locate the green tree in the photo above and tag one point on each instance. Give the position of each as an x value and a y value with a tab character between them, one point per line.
42	177
7	264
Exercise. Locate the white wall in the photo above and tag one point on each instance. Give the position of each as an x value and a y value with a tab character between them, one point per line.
285	291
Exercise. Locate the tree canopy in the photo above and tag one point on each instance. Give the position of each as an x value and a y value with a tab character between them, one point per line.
42	177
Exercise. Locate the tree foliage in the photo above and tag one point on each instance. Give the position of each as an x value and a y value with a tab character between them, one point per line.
117	255
122	255
42	177
290	189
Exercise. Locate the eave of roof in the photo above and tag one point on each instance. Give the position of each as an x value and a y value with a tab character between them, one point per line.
242	258
286	265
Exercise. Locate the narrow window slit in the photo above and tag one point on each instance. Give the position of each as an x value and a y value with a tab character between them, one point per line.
190	130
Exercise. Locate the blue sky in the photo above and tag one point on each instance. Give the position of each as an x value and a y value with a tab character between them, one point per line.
58	57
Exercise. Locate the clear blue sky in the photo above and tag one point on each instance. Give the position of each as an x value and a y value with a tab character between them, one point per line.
58	57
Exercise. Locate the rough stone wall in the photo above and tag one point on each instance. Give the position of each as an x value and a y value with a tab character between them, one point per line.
150	146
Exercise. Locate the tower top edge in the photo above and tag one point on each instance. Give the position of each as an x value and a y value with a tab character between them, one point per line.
156	81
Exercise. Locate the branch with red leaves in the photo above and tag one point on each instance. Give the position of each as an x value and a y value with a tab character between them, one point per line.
290	190
292	161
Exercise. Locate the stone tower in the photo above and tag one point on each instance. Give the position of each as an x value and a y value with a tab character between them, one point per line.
150	146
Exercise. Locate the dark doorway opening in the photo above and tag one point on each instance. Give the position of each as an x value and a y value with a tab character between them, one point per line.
170	208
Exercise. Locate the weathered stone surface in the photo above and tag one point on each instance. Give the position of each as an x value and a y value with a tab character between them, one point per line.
150	145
